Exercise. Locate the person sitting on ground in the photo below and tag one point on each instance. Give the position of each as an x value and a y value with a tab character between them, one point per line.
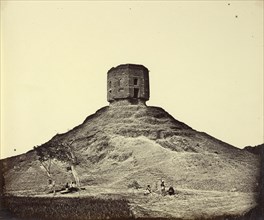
171	191
148	190
73	184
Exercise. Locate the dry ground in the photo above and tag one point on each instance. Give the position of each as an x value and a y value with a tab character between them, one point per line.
185	204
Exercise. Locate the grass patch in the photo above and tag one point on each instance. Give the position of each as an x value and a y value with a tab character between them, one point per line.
68	208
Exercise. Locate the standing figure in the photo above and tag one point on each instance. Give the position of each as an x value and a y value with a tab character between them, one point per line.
162	186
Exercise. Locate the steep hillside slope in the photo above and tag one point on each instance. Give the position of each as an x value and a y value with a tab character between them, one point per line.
121	144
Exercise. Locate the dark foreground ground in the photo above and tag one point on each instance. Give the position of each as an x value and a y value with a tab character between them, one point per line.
35	208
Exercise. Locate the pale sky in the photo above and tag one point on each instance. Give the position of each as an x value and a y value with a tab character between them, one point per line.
205	60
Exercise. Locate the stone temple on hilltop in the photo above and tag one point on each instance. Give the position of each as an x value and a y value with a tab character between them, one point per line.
128	83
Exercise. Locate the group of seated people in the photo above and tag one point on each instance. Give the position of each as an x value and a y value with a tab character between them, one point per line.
71	187
170	191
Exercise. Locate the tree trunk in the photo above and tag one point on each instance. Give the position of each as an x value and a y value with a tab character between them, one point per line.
47	169
75	176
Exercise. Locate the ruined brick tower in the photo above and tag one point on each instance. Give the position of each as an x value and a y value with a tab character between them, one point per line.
128	83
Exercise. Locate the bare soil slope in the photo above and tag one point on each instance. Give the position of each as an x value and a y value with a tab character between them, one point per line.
121	144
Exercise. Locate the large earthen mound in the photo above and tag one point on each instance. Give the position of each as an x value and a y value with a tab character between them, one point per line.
120	144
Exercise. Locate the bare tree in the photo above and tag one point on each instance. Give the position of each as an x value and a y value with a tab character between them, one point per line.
72	160
45	159
62	151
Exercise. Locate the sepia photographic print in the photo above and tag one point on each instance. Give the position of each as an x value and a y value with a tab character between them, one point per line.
131	110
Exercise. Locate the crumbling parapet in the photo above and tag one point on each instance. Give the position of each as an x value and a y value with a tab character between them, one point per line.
128	83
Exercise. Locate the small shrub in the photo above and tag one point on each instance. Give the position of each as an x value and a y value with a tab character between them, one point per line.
134	185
